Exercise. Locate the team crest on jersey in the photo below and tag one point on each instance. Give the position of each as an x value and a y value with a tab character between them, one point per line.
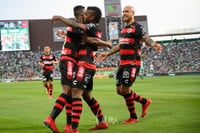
129	30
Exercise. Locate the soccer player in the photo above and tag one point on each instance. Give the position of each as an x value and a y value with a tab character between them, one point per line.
68	65
46	61
83	81
141	72
129	46
28	74
151	70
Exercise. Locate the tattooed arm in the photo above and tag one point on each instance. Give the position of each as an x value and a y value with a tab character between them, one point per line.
148	40
114	50
96	41
151	43
103	56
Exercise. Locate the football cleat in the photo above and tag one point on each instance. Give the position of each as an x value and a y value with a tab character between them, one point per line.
72	131
145	107
50	96
67	128
131	120
49	122
101	125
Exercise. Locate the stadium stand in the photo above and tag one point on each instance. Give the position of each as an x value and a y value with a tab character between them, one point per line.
177	57
14	65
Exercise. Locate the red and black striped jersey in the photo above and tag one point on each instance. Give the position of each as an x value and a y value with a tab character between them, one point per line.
85	56
47	61
71	44
130	42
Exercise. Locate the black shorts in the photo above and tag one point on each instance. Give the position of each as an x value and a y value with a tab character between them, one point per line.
47	75
67	69
126	75
84	78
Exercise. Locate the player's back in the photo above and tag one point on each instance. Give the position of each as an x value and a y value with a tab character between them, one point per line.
86	50
71	44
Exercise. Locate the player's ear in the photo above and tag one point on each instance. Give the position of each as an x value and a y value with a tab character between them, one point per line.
93	18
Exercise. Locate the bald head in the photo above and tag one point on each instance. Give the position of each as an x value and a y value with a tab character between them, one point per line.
130	8
128	14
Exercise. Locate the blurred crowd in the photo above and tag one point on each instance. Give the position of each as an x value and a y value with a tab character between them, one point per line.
18	65
175	58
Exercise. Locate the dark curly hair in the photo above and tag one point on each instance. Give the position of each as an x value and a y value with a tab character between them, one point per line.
96	12
78	9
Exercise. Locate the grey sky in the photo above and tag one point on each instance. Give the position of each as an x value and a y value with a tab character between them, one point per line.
164	16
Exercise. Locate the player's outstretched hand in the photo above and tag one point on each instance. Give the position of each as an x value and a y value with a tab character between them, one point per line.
61	33
158	47
101	56
54	18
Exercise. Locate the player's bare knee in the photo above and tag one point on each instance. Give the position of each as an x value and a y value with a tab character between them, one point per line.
66	89
77	93
44	83
119	92
125	89
50	83
124	92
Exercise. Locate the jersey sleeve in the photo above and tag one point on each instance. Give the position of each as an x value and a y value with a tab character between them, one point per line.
141	31
74	33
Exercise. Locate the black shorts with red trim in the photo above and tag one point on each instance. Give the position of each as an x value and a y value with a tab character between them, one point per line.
84	78
47	75
126	74
68	69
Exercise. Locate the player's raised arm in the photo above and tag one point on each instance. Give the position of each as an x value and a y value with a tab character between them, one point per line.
102	56
151	43
96	41
69	22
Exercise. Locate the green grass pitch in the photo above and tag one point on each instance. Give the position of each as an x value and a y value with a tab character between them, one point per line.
175	106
